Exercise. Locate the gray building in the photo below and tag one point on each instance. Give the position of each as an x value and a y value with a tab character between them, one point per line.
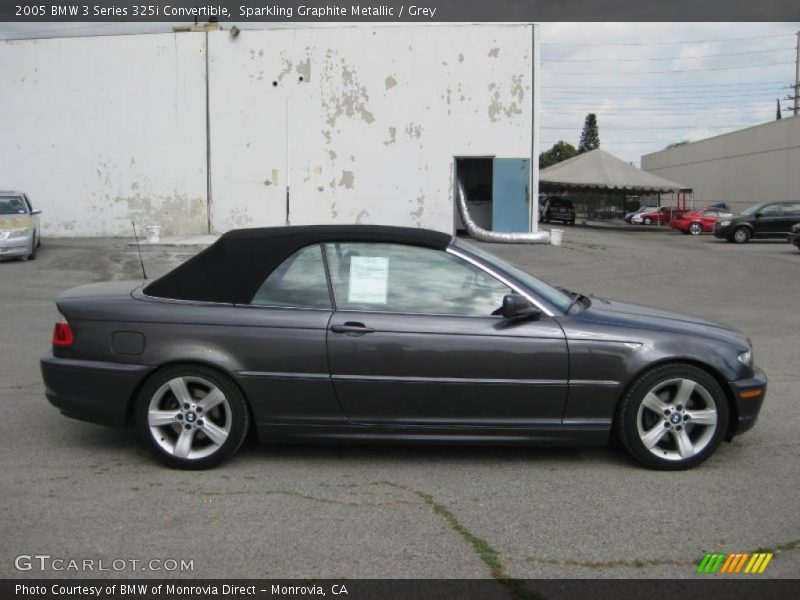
741	168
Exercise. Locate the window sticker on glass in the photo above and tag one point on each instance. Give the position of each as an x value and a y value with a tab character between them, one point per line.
369	276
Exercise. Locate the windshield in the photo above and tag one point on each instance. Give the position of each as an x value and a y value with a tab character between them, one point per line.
555	296
12	205
752	210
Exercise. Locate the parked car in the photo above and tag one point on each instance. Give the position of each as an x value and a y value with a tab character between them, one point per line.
658	216
369	333
699	221
557	209
767	220
20	229
627	218
794	235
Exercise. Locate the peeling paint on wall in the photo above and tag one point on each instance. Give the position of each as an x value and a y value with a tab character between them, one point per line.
390	82
364	214
347	180
343	95
304	69
494	52
498	108
392	136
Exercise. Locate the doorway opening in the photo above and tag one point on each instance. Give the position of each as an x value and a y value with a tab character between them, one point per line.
475	174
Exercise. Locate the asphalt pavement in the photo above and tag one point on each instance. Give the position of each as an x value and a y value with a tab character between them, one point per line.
74	490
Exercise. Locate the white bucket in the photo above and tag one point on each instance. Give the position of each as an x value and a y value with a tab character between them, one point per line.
556	235
153	233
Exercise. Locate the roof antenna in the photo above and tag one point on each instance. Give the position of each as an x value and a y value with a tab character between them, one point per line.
139	248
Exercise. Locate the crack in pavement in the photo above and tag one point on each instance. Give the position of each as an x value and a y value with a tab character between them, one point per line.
485	551
309	497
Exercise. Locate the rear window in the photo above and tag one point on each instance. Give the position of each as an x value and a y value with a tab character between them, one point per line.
560	202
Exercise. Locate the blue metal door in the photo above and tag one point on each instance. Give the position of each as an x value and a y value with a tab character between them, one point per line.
510	197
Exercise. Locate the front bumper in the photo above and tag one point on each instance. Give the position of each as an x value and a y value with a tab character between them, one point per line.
723	232
13	247
748	396
93	391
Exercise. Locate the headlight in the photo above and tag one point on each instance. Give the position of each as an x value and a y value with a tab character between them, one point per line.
19	233
746	358
724	223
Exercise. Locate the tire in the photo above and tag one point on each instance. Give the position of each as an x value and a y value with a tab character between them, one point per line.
647	221
179	436
32	254
652	424
695	229
741	235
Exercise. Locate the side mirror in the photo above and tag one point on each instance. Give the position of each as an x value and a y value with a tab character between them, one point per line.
517	307
36	211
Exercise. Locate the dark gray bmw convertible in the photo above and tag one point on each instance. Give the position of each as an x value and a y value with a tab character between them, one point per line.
364	333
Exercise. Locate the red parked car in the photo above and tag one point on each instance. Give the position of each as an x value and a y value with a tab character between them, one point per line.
699	221
657	216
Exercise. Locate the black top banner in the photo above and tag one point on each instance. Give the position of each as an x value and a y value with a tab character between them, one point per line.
420	11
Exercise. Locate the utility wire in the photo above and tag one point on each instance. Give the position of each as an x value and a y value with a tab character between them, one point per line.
656	86
683	43
607	73
594	60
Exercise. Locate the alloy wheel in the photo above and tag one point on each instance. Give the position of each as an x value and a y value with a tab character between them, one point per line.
189	417
677	419
741	235
695	229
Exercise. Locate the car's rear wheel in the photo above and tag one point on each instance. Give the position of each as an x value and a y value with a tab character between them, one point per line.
673	417
191	417
741	235
695	229
647	221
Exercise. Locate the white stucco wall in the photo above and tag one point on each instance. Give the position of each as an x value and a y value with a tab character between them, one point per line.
104	130
372	128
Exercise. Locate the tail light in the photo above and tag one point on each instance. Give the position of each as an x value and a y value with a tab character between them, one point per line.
62	334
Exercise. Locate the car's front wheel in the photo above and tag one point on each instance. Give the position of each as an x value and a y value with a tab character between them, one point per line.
191	417
673	417
741	235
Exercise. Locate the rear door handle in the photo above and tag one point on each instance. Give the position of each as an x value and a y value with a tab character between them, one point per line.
352	327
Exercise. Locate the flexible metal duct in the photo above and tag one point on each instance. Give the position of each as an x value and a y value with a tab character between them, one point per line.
484	235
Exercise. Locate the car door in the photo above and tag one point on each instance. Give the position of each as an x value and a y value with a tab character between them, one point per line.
791	216
413	341
768	221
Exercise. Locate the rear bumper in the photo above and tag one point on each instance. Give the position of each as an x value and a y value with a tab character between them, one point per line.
748	396
93	391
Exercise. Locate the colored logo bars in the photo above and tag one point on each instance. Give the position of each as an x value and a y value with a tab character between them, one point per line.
741	562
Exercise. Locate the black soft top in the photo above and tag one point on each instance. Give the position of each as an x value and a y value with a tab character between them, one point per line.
232	268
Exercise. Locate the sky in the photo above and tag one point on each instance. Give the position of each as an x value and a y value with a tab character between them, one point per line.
650	84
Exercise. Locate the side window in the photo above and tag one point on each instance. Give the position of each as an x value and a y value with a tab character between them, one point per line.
792	210
299	282
773	210
396	278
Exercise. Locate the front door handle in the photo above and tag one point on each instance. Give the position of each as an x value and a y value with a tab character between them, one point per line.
352	327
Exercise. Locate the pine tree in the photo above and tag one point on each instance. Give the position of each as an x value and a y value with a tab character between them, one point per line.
590	136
